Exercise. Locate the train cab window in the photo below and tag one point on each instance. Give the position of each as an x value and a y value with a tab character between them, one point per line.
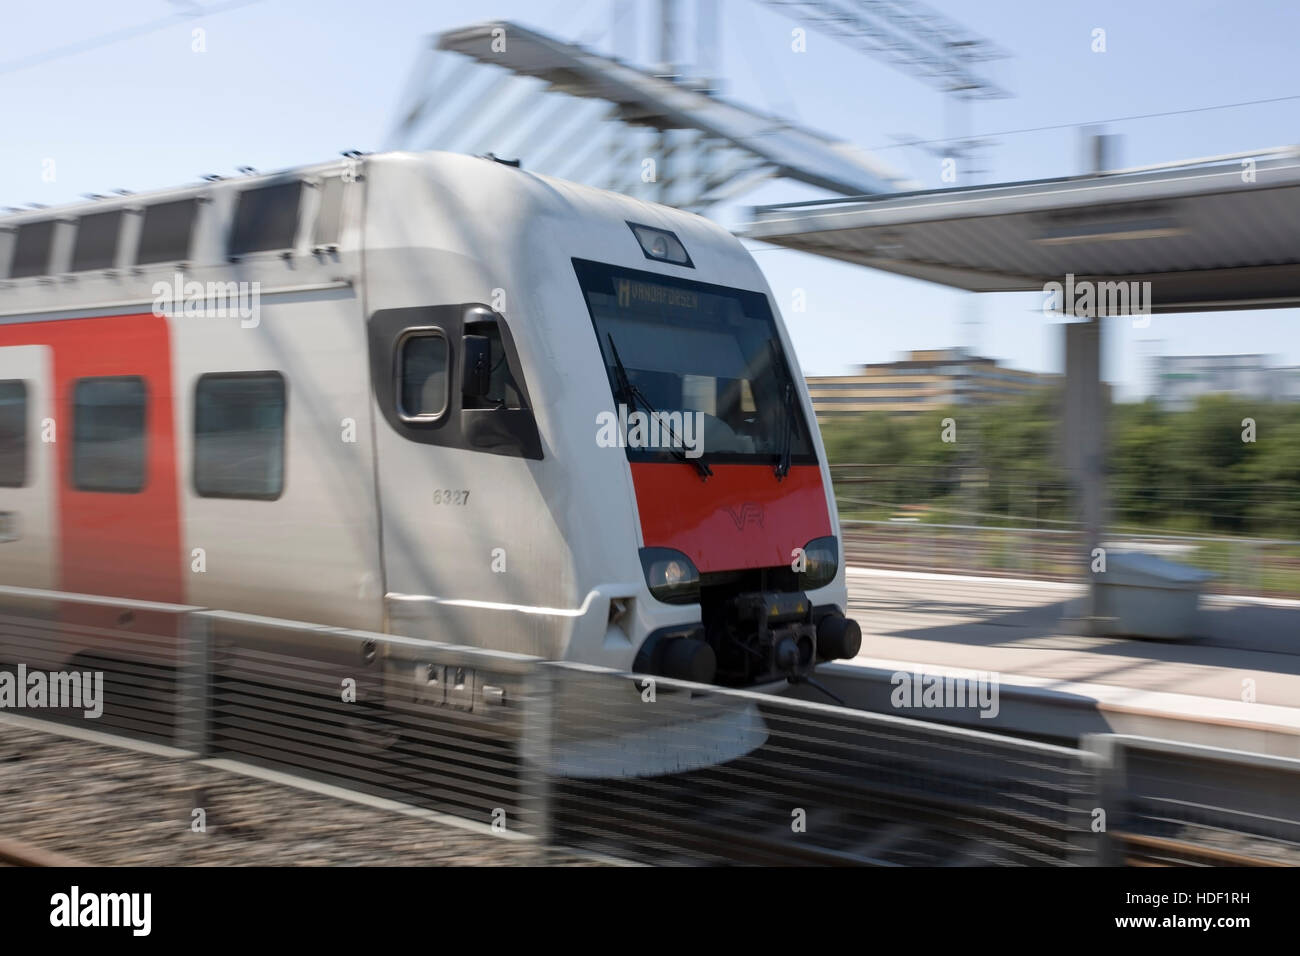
239	435
503	391
108	434
707	350
96	244
32	248
13	434
165	232
266	218
422	374
427	371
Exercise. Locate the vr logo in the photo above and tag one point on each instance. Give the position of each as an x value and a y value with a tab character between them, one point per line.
750	512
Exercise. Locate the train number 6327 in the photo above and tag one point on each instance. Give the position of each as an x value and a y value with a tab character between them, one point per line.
451	497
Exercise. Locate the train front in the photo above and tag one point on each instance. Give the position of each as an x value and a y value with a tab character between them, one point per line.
739	550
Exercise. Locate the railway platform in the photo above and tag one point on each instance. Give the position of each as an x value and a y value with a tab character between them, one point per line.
1236	685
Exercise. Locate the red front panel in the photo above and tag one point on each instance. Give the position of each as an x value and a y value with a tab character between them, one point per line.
741	517
122	545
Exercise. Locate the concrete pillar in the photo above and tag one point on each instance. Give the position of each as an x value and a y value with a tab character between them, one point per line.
1084	441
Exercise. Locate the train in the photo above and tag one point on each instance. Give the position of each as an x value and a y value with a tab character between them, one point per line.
425	394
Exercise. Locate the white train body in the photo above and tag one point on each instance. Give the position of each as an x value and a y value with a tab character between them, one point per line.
512	528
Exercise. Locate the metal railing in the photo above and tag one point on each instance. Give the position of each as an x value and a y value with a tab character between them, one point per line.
435	726
826	785
1245	566
1176	803
565	755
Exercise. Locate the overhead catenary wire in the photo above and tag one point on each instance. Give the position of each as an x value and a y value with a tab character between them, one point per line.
1096	122
126	33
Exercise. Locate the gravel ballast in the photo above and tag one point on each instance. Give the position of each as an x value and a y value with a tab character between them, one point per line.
113	806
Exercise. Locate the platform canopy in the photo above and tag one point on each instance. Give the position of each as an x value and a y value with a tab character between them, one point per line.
1209	234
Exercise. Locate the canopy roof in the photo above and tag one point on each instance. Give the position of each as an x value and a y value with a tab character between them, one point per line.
1220	233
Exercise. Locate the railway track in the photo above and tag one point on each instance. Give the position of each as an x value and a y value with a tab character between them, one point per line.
828	787
17	853
757	832
719	817
1148	851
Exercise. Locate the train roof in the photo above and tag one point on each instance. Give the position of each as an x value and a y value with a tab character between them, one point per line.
271	220
13	217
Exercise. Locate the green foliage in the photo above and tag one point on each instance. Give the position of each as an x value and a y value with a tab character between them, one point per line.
1187	470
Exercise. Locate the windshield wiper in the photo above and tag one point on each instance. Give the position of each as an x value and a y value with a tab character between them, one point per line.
782	467
631	395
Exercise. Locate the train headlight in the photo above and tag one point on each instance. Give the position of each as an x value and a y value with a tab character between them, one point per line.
821	560
670	575
661	245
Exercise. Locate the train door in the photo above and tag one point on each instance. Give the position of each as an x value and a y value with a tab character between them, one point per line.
118	503
460	502
108	477
28	549
28	542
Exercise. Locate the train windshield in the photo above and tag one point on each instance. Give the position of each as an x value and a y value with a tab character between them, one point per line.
704	360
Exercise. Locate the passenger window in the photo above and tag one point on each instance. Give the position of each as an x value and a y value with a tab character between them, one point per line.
165	232
239	435
266	218
32	249
96	243
108	434
13	434
504	392
422	374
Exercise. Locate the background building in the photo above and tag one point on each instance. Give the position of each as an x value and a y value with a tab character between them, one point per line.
927	379
1181	379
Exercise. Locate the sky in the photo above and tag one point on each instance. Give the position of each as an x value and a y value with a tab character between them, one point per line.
117	96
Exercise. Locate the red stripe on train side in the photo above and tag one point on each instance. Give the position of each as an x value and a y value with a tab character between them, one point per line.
741	517
123	545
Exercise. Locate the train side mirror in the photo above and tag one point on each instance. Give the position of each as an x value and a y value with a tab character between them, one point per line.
476	366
